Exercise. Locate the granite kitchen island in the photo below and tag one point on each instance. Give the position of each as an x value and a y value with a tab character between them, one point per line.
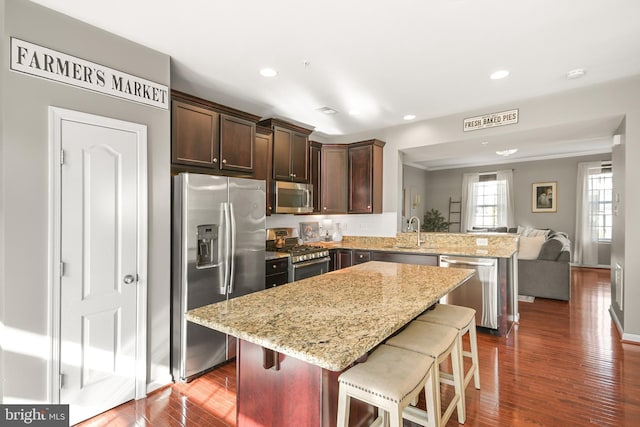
295	339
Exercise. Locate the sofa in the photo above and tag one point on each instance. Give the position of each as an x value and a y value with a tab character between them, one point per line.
549	274
544	258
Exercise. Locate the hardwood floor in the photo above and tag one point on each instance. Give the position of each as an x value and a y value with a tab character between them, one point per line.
564	365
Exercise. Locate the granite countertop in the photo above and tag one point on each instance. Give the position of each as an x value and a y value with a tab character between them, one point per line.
475	251
333	319
271	255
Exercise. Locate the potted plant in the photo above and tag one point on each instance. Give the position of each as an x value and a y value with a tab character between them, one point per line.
434	221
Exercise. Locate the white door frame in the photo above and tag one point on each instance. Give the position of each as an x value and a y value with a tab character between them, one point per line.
56	116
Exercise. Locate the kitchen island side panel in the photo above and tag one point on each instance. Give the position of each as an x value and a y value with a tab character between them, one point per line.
296	393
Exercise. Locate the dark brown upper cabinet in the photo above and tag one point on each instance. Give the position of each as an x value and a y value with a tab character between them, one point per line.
237	144
195	135
262	168
315	171
365	177
290	151
211	138
334	178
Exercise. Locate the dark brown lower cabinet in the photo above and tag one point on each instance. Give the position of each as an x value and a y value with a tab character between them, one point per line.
360	256
276	272
343	258
404	258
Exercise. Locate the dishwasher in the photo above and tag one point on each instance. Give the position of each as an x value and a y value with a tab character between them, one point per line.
480	292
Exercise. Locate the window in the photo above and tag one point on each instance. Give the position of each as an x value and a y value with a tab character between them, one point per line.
487	200
486	192
600	190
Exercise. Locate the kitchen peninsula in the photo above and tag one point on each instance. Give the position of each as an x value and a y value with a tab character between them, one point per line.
294	340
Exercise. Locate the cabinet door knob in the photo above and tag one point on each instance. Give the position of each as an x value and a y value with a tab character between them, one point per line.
325	208
224	161
274	266
294	175
368	207
215	160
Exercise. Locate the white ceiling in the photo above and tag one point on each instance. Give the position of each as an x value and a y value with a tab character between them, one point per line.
384	58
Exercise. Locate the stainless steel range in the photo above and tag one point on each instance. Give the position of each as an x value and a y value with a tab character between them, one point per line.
304	260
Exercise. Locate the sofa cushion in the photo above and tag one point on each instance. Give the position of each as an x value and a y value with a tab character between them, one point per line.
529	247
550	249
556	248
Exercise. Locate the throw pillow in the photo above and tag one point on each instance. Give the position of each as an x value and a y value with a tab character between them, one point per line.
533	232
529	247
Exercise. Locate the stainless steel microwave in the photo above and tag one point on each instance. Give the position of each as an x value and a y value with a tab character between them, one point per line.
292	197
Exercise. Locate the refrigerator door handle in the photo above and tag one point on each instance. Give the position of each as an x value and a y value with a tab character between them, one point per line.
227	239
232	253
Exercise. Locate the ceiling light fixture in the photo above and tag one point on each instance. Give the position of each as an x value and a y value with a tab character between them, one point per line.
485	143
409	117
268	72
500	74
354	112
506	153
576	74
327	110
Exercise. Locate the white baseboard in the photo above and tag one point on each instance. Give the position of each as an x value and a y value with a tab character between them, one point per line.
625	337
159	383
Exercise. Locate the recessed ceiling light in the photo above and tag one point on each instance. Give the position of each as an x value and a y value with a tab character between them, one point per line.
484	142
268	72
327	110
506	153
409	117
500	74
354	112
576	74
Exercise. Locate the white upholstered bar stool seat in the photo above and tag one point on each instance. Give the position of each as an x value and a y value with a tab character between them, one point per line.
389	379
439	342
464	320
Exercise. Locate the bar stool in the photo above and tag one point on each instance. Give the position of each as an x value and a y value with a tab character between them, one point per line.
464	320
439	342
390	379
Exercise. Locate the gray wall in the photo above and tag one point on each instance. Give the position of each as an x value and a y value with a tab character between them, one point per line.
413	182
440	185
615	99
24	177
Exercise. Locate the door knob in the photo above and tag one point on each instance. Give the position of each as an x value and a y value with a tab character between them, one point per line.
128	279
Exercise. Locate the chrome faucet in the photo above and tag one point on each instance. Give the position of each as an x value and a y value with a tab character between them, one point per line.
418	230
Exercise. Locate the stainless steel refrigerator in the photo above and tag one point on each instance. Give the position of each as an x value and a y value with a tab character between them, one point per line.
218	254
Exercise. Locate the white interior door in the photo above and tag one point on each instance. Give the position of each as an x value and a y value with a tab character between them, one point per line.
99	255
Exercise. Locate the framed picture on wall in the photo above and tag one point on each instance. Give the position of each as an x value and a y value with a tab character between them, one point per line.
544	197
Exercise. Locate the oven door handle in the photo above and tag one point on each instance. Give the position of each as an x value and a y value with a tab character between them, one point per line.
310	262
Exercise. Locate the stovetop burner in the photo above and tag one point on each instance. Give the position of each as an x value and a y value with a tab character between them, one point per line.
283	240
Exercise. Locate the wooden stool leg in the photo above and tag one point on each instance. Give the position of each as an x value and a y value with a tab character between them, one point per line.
474	354
458	378
396	417
344	406
431	394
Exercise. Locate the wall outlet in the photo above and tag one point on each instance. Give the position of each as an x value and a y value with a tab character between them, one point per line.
482	242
